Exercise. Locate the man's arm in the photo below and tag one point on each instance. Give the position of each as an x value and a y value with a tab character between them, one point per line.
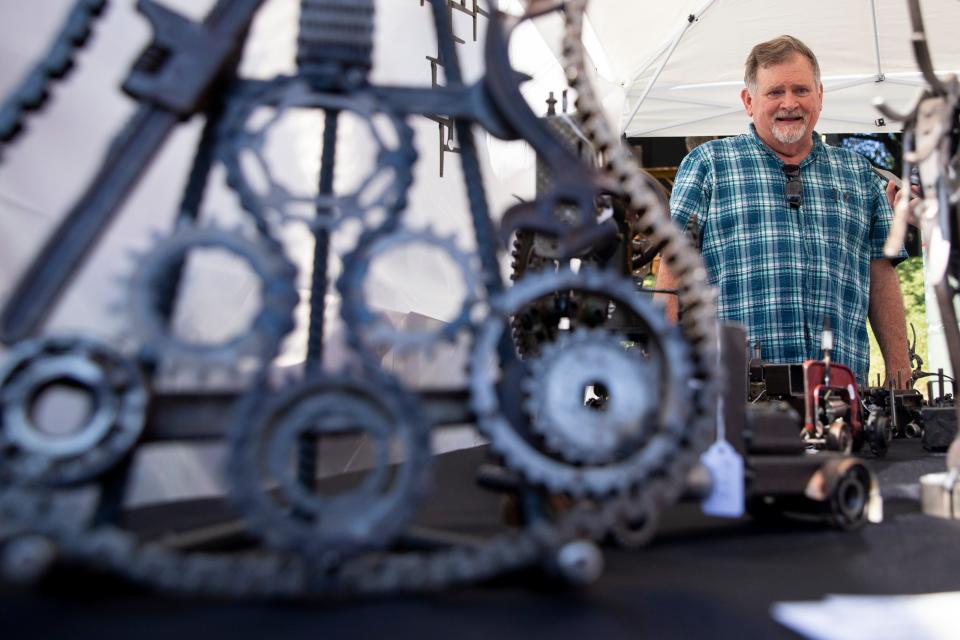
888	320
666	280
689	200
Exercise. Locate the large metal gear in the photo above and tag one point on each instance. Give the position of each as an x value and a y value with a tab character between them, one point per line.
117	397
670	431
294	517
150	285
592	433
371	332
379	197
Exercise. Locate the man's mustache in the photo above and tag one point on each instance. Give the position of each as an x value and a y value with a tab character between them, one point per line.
791	114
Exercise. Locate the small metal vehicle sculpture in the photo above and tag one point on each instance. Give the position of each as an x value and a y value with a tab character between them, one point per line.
826	395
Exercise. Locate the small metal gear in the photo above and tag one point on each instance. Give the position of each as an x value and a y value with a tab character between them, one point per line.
151	287
368	330
118	394
555	395
630	519
669	432
384	189
294	517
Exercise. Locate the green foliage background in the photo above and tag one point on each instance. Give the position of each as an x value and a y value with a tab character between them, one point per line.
911	283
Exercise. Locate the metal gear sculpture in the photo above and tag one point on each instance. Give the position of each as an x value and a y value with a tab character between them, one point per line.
382	191
627	460
931	137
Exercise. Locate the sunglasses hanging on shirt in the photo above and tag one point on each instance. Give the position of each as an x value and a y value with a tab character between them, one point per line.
794	187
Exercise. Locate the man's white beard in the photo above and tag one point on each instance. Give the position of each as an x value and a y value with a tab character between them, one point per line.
790	133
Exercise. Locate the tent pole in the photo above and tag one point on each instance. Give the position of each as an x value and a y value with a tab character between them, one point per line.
646	64
686	122
649	61
693	17
850	83
876	40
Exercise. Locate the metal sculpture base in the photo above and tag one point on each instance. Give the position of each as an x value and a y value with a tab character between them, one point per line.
940	495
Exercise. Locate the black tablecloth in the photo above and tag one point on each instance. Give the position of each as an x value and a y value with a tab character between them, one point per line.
701	577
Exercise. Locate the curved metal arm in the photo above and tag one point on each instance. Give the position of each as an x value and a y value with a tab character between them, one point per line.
921	51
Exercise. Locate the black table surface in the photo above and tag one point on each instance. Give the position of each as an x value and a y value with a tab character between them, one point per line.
700	577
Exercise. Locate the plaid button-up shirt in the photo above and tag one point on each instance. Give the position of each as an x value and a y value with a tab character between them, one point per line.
780	270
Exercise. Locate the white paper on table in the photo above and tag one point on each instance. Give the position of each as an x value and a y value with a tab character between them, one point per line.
853	617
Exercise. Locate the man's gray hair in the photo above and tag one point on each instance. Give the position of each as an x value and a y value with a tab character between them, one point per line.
776	51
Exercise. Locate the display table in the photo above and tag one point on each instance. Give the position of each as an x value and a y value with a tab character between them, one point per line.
701	577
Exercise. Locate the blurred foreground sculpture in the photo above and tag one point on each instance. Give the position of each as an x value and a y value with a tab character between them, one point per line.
61	495
930	144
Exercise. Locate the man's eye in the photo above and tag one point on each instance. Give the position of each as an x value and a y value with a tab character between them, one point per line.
802	92
774	94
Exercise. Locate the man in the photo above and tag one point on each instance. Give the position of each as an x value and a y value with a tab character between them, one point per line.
791	230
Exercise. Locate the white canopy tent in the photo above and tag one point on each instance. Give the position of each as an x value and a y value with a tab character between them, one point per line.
679	65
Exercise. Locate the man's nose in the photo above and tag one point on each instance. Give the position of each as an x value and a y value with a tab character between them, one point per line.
790	100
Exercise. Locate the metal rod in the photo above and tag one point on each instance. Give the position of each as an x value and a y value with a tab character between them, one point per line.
483	228
321	248
649	61
876	40
693	17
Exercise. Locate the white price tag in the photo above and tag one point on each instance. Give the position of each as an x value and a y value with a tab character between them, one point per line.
726	471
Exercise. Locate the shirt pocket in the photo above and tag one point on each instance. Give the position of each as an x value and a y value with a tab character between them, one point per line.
747	213
848	217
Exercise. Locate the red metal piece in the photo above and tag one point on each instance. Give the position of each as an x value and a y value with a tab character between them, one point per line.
842	383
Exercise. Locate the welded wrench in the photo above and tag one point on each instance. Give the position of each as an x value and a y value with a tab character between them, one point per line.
171	80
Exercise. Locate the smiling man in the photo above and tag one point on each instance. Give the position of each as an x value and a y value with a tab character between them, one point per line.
791	229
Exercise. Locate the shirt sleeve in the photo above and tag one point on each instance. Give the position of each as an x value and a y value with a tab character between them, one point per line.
692	189
880	222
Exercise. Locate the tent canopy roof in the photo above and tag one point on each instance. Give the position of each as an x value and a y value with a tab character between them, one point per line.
685	58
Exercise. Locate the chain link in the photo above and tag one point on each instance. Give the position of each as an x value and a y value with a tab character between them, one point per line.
33	93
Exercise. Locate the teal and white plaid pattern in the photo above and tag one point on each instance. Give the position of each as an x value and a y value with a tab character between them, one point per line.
780	271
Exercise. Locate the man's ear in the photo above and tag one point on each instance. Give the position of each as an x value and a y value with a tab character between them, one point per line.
747	101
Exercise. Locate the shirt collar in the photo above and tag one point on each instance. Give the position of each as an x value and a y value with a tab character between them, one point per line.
817	147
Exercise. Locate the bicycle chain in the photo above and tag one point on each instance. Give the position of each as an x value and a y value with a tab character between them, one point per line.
32	94
697	298
335	41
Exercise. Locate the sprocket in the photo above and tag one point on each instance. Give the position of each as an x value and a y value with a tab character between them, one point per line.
670	431
118	400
